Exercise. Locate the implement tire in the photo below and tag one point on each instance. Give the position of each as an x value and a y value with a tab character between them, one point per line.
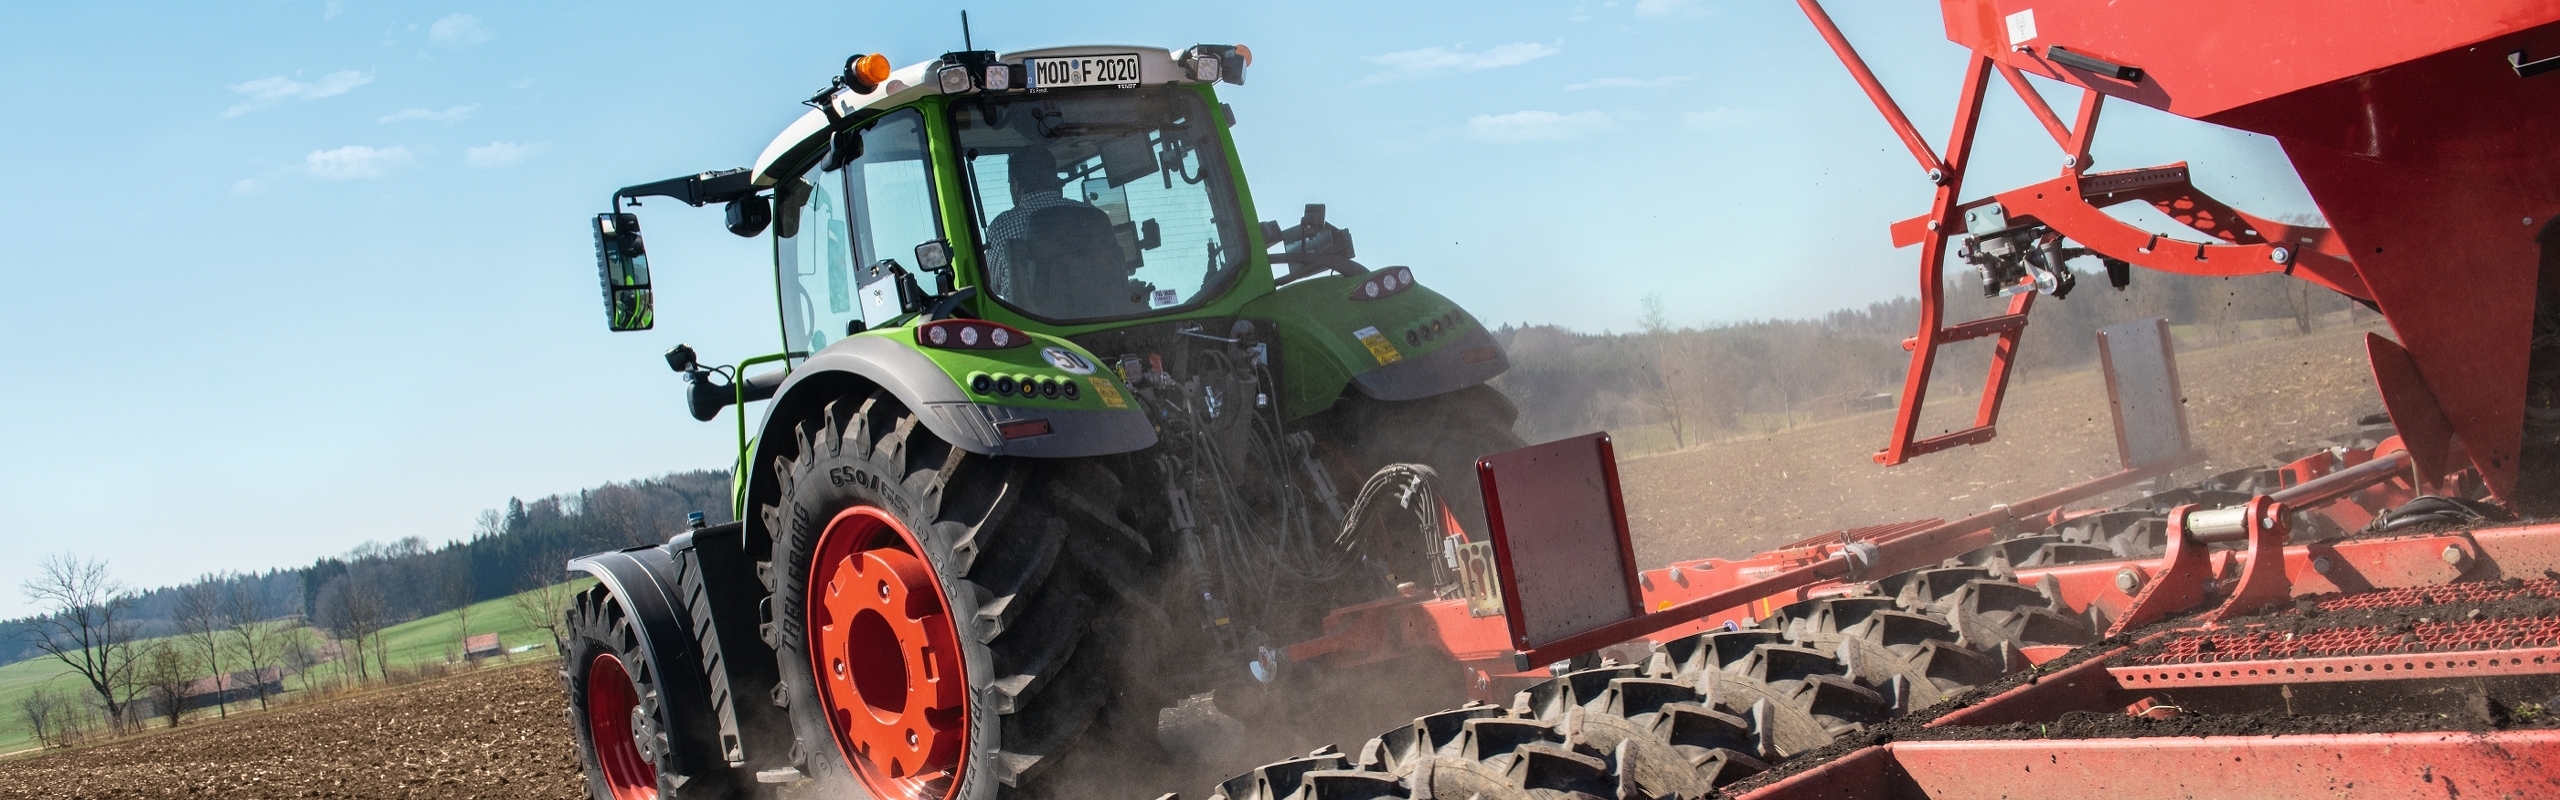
1707	710
940	634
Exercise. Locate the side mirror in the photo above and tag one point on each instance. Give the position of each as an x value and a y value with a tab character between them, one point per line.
622	265
1149	236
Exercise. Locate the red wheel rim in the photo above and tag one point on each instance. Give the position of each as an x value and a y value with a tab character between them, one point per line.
610	704
887	657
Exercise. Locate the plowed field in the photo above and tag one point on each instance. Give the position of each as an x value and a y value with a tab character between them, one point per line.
496	733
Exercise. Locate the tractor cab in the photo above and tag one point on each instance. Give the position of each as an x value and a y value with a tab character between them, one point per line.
1062	188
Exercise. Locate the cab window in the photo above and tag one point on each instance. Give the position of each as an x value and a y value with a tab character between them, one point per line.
841	235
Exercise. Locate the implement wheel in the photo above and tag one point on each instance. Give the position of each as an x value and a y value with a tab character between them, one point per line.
932	613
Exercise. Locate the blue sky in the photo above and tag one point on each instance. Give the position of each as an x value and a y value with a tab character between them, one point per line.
284	277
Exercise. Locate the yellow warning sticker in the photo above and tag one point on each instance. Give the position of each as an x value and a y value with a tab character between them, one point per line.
1379	347
1110	395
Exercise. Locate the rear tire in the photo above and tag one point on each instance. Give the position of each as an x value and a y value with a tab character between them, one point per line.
1042	620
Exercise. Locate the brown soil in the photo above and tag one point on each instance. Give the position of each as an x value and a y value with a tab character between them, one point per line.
1728	499
496	733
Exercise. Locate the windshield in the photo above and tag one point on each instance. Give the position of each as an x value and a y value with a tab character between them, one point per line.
1099	204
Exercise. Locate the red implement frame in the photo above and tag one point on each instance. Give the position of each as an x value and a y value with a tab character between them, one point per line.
2419	130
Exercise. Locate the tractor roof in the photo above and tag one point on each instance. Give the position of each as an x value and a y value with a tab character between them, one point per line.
805	136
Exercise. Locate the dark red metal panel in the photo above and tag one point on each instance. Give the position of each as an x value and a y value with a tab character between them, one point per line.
1560	541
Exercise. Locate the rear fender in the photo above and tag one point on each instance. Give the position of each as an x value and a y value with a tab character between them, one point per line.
1101	420
1408	345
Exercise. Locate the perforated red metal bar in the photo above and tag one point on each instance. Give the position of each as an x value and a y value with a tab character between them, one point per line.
2425	665
2440	594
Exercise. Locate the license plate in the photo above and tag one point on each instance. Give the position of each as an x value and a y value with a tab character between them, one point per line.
1117	69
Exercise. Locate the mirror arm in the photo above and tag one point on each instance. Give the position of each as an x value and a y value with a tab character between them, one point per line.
695	190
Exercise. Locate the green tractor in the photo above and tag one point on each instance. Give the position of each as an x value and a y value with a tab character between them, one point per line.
1055	442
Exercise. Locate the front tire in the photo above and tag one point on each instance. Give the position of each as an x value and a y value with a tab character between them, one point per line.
930	612
617	711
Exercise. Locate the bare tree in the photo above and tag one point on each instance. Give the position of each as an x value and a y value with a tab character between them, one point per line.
353	611
36	709
458	592
202	621
544	603
83	625
1664	390
252	635
167	670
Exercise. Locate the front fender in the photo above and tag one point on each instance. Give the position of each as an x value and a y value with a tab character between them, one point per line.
644	582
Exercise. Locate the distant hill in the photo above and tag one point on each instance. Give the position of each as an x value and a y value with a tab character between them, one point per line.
508	549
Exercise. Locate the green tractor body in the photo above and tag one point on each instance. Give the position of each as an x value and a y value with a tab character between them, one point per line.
1042	380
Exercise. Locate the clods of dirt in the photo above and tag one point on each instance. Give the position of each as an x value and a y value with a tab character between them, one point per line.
495	733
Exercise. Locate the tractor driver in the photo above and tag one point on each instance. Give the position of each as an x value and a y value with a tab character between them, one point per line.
1051	255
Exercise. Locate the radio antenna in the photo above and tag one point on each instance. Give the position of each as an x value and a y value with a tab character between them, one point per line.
965	44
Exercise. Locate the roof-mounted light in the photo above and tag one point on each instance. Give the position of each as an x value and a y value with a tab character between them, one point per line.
1202	65
1208	63
864	73
973	69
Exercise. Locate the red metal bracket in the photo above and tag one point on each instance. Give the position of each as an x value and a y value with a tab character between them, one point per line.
2262	580
2178	586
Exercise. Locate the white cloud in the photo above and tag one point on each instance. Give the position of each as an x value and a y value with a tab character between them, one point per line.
1684	9
267	92
1537	126
356	161
459	30
249	186
1435	61
1719	119
501	154
1664	82
454	114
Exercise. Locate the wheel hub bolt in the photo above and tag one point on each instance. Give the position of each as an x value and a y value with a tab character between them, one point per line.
911	738
884	590
839	667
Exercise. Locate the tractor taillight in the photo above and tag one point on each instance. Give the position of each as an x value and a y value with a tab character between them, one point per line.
969	334
1383	283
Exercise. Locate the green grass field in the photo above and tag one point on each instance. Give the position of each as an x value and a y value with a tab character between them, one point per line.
426	640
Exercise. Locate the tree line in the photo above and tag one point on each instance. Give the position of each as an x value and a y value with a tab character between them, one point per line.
134	650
